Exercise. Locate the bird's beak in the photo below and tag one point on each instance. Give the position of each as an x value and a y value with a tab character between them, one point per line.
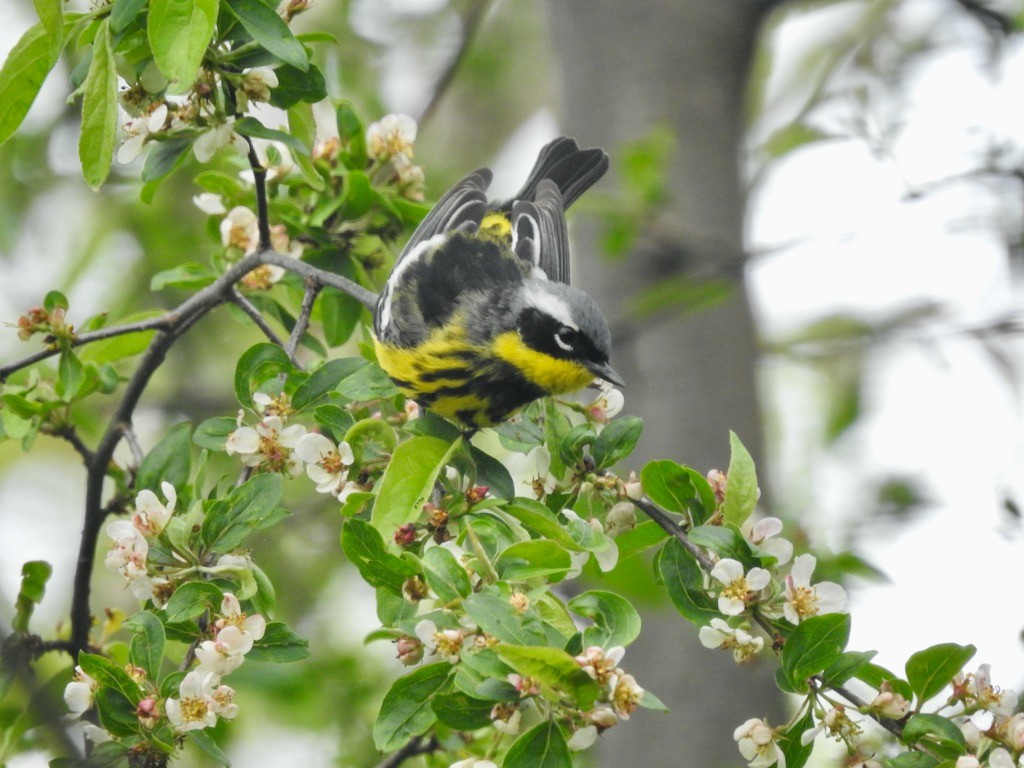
606	372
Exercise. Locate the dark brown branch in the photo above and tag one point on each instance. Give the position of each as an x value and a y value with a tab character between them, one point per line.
313	288
670	526
178	321
259	174
470	25
152	324
420	745
366	297
255	315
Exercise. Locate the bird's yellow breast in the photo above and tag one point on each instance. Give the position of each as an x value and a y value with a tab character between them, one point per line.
551	374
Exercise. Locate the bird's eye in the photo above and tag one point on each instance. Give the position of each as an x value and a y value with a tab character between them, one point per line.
565	337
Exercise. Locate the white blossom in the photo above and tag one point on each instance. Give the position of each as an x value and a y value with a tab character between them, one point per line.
78	694
391	135
804	600
151	516
762	536
327	464
756	742
738	588
138	132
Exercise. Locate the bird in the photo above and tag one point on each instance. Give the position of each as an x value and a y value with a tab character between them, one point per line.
477	318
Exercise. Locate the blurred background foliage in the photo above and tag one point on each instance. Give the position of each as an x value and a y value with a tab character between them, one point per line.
700	104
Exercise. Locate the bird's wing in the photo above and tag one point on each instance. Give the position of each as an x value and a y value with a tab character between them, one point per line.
461	207
539	234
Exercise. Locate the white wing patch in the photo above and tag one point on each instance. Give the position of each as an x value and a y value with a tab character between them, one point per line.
396	275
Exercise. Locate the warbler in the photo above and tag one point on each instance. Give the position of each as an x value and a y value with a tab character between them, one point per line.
477	318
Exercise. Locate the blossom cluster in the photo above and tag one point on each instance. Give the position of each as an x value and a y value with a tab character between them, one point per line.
165	118
275	446
202	697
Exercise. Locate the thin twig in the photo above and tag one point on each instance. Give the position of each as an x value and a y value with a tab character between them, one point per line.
259	174
418	745
133	444
313	288
152	324
470	24
670	526
255	315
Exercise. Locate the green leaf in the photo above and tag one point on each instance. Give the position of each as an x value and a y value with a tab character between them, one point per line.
616	621
530	559
543	746
34	575
123	13
406	710
209	747
726	541
364	547
617	441
938	734
251	507
213	433
912	760
741	484
931	670
445	576
250	126
269	30
555	669
334	419
408	482
352	132
51	14
71	375
846	666
814	645
797	753
279	644
99	111
170	460
164	158
495	615
110	675
117	713
540	520
179	33
668	485
339	314
22	75
461	711
147	645
319	383
295	85
256	366
684	581
109	754
188	276
191	599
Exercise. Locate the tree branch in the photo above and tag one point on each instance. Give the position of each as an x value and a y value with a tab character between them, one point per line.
420	745
313	288
255	315
178	321
670	526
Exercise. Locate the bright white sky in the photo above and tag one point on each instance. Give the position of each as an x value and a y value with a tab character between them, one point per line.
937	406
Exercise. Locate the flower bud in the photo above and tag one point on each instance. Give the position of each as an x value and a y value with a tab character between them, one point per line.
410	650
405	536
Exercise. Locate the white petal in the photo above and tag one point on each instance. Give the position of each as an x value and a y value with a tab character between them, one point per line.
727	571
758	579
312	447
803	567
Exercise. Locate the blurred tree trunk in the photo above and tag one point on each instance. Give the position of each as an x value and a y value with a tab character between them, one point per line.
627	67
